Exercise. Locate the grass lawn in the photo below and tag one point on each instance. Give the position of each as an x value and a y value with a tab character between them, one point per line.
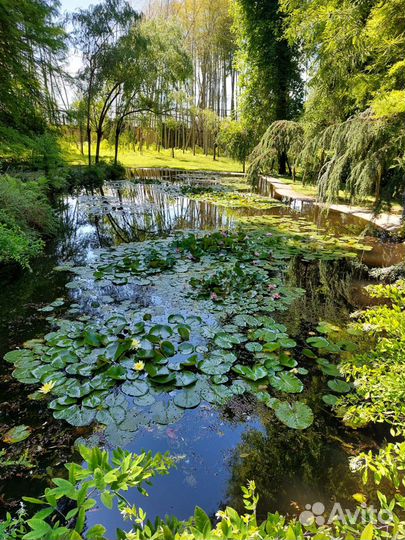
153	159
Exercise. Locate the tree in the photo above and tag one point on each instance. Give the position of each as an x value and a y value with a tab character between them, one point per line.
98	33
280	146
236	140
355	115
159	66
270	75
29	44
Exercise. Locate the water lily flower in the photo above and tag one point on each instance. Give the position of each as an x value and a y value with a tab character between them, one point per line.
135	344
269	234
139	366
271	287
214	297
277	296
47	387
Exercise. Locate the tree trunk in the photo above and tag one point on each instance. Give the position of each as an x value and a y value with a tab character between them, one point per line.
98	144
117	141
282	163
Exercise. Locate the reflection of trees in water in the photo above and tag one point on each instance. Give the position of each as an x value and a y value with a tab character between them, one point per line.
152	210
131	213
330	288
291	468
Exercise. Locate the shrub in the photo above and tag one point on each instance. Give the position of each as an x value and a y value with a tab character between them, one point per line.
93	176
25	213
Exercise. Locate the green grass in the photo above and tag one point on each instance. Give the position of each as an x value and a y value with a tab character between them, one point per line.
153	159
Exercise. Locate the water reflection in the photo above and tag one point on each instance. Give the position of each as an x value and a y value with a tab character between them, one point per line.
217	451
292	468
339	223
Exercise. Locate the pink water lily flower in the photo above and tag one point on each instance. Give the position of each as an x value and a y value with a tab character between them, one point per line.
214	296
271	287
277	296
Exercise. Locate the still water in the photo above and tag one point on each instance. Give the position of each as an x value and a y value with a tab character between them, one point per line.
216	449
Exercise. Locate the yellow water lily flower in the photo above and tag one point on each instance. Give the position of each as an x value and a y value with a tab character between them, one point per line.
135	344
139	366
47	387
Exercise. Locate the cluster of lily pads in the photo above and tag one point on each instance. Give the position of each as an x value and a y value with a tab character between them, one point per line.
126	371
229	198
89	372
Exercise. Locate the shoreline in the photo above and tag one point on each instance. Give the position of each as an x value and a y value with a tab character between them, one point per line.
385	221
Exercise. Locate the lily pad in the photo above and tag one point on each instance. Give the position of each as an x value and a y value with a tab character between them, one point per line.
17	434
166	413
187	399
295	415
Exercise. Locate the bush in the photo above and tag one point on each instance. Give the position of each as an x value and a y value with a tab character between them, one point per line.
25	213
22	151
93	176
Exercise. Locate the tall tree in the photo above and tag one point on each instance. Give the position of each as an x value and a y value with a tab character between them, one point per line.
97	35
270	74
30	41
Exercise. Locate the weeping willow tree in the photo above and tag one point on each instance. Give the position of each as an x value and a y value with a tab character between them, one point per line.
362	156
277	150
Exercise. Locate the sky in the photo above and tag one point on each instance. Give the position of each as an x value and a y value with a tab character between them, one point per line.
73	61
72	5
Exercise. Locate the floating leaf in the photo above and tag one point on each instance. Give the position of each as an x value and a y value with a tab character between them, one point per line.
185	378
135	388
342	387
295	415
187	399
287	382
17	434
330	399
166	413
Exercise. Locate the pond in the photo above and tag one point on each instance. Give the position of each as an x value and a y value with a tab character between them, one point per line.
121	269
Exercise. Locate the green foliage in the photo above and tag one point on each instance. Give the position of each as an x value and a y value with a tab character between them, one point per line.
20	150
111	476
270	76
93	176
236	140
25	213
354	115
28	38
376	370
278	148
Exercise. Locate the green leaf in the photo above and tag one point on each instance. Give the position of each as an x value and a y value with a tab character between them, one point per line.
330	399
253	347
287	382
187	399
185	378
162	331
368	532
166	413
202	522
107	498
96	533
167	348
342	387
135	388
295	415
17	434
